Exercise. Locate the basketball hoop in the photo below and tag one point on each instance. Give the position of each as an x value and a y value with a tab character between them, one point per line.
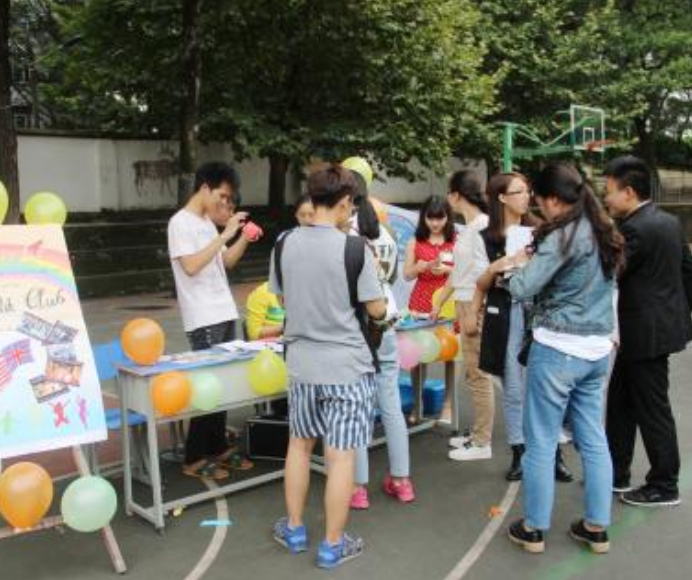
598	145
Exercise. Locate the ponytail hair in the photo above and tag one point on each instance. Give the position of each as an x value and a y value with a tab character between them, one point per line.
367	220
467	185
564	183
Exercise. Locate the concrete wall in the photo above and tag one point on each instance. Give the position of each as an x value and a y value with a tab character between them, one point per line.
95	174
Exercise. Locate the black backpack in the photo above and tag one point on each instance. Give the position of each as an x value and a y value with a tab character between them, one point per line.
354	258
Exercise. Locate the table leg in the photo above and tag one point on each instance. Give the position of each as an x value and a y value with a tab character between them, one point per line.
155	467
450	383
121	384
418	381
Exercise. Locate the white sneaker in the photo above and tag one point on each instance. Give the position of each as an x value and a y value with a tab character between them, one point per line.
470	452
461	440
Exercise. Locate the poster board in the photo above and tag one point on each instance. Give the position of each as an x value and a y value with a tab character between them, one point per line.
50	395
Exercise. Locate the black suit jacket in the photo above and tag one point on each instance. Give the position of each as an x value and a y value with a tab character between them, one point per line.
655	287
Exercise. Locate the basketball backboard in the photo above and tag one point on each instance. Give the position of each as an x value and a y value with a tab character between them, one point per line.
588	131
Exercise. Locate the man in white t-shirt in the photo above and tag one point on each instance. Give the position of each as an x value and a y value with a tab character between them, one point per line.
199	258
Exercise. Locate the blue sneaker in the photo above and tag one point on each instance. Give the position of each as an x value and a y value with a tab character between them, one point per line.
295	540
330	556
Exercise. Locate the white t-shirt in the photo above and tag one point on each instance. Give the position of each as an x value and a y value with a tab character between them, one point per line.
591	348
470	259
385	248
204	298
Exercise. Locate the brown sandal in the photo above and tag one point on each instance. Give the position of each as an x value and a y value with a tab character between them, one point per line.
236	461
206	470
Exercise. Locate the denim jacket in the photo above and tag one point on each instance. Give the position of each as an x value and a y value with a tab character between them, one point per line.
570	291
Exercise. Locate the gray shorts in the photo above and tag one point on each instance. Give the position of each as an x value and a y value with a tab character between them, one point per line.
342	414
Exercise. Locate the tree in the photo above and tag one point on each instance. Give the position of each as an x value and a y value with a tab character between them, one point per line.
9	169
290	79
191	68
630	57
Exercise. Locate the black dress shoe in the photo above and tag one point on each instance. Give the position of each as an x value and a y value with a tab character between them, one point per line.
562	473
596	541
530	540
514	472
648	496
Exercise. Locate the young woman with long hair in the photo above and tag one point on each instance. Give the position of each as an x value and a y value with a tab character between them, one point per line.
429	255
467	198
571	279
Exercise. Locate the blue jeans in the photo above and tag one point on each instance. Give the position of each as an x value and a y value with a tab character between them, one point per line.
514	380
389	403
555	381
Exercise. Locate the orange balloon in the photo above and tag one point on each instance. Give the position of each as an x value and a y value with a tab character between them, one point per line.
26	492
171	392
143	341
380	210
449	343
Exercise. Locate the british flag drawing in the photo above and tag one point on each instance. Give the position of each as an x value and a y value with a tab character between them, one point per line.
17	353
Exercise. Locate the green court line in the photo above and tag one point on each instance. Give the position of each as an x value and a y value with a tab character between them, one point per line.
585	559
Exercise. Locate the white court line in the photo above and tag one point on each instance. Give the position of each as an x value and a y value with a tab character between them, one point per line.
217	539
479	546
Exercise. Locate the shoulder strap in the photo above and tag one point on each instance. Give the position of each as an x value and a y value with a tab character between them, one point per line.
354	258
278	251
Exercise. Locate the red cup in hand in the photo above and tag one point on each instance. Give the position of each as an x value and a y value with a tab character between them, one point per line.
252	232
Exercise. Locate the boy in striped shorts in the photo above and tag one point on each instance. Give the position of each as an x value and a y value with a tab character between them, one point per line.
331	368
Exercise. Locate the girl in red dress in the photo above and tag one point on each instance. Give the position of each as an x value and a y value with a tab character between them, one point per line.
429	257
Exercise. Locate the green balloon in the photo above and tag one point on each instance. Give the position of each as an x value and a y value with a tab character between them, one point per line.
88	504
45	207
429	346
207	391
267	373
4	202
360	165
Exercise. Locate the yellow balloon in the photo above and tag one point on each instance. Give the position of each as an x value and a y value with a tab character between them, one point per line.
45	207
267	373
359	165
4	202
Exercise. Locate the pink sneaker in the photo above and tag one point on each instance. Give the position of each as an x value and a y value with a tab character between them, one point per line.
403	491
359	499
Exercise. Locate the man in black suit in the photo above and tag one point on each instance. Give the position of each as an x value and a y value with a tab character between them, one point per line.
654	317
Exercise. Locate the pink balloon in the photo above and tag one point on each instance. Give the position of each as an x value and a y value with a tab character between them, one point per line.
409	352
252	231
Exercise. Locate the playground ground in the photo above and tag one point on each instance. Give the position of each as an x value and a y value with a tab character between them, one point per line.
448	533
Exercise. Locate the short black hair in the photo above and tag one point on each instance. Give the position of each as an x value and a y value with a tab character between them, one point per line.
215	173
630	171
328	187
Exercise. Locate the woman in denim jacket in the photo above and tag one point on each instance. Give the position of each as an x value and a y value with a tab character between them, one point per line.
571	278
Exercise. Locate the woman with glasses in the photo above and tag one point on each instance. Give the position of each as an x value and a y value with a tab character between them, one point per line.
503	330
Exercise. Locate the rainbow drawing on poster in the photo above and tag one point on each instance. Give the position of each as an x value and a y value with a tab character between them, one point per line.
50	396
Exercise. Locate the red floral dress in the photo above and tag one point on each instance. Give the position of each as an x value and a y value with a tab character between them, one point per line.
427	282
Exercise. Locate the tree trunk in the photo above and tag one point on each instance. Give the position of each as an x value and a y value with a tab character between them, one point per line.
646	149
278	167
9	168
189	107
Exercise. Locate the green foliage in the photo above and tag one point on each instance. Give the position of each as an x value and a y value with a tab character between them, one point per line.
632	58
391	79
396	79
